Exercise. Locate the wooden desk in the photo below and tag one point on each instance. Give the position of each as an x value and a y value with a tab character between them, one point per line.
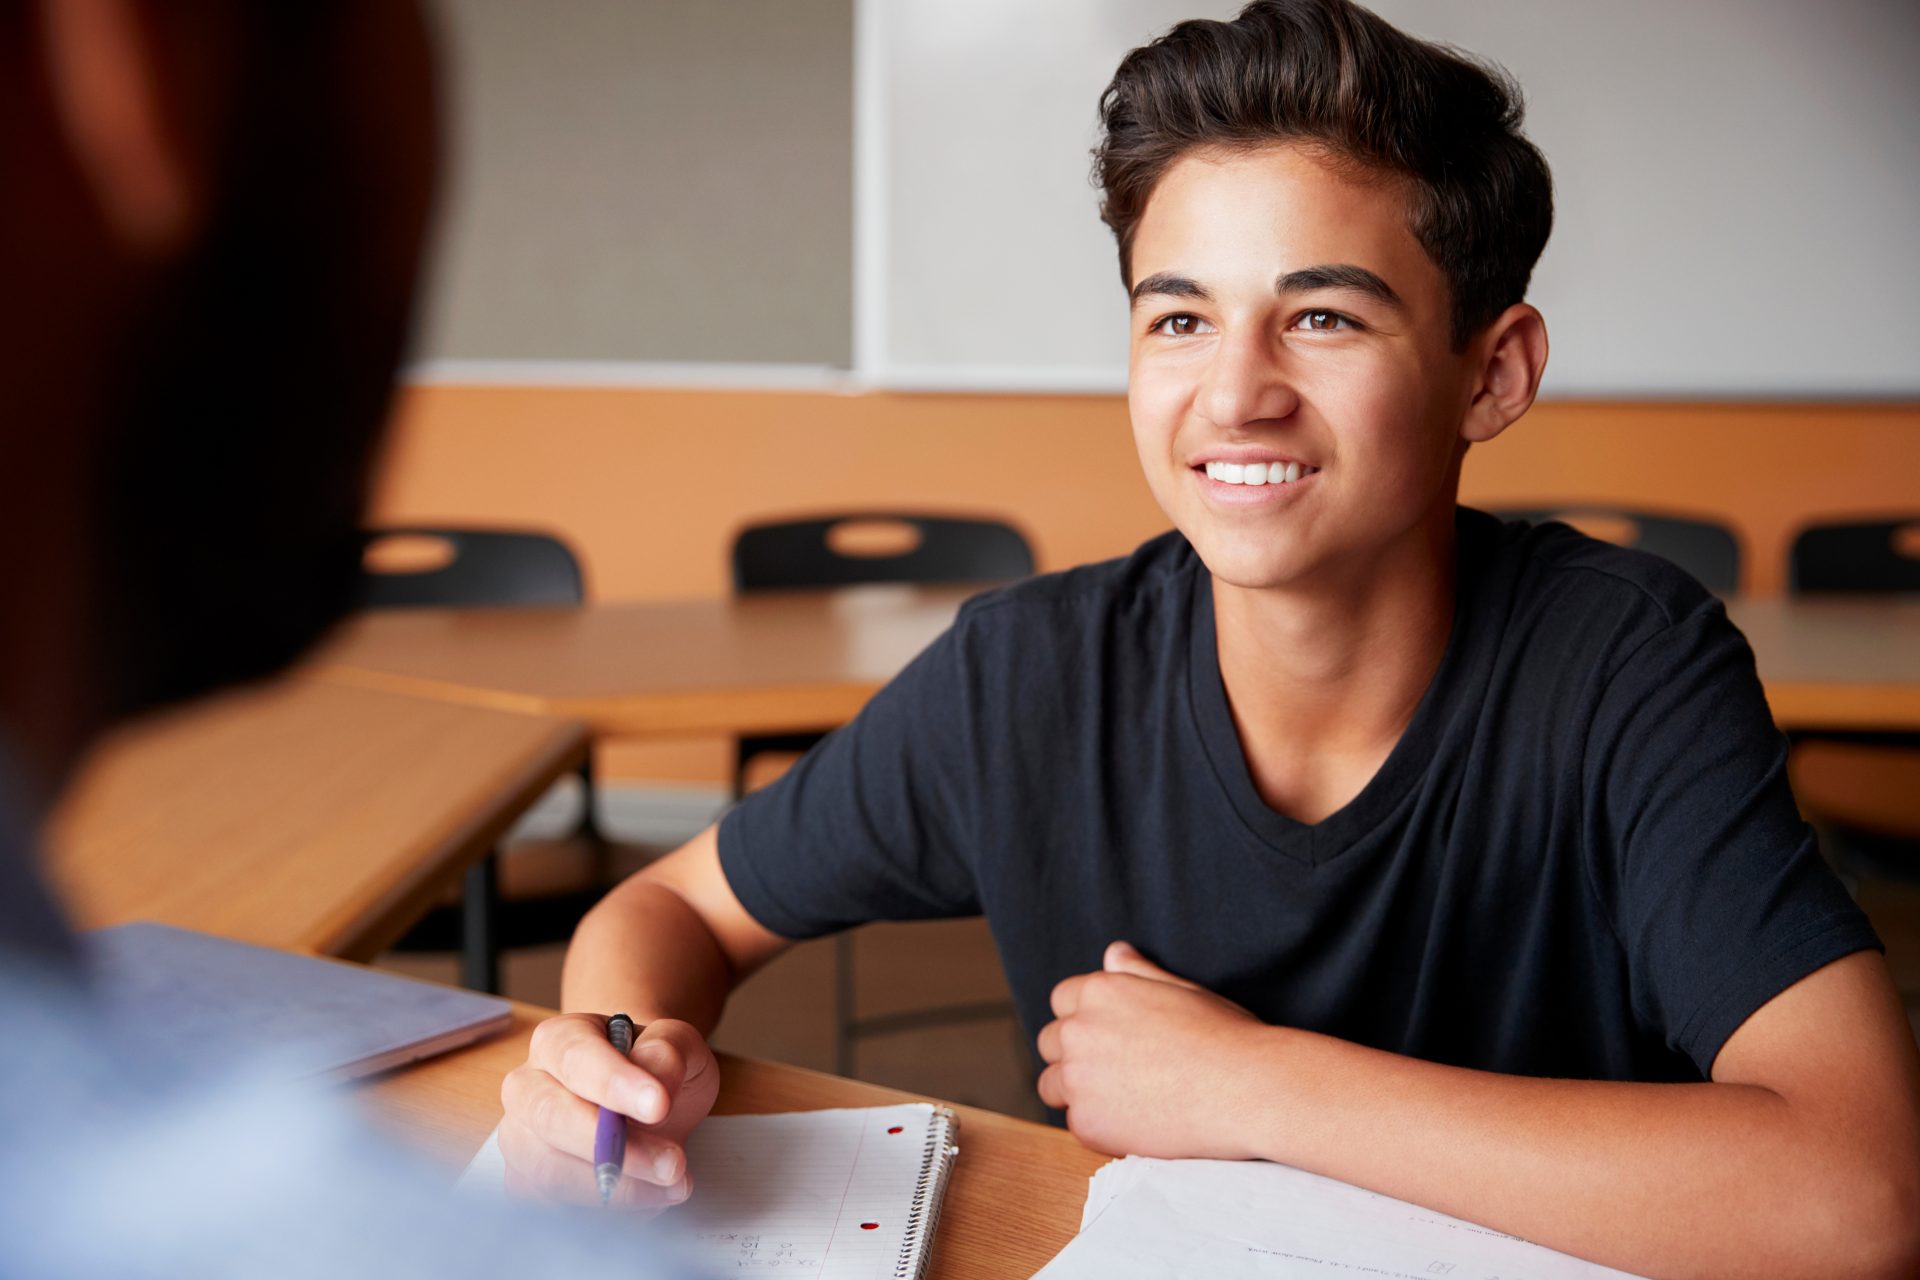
1013	1203
302	815
766	663
810	660
1841	663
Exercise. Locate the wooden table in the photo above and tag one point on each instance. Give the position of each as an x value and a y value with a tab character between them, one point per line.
1014	1200
767	663
810	659
302	815
1837	662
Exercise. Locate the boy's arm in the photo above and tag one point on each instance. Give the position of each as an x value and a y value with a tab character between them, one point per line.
666	947
1802	1157
669	942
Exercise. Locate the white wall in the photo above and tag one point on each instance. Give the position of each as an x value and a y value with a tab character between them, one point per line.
1738	188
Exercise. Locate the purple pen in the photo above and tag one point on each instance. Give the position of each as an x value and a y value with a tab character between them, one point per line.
610	1134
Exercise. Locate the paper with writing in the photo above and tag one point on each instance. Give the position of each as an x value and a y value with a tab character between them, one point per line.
841	1195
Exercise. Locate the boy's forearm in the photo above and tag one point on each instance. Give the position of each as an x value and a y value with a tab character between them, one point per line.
644	951
1670	1180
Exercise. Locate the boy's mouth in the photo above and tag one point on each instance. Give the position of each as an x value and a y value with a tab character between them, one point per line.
1256	473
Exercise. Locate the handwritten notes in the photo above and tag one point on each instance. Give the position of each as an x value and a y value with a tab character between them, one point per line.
842	1195
827	1193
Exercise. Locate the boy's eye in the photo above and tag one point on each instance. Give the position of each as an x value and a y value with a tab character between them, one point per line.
1325	321
1178	326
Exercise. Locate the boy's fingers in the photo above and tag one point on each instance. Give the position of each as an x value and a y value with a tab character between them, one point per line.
573	1049
1048	1042
1124	957
546	1110
1066	995
538	1171
662	1057
534	1169
535	1101
1049	1088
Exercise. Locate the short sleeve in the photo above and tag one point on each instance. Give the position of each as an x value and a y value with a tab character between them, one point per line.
874	822
1718	890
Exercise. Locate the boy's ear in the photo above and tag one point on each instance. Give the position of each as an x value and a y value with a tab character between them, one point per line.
1512	354
107	78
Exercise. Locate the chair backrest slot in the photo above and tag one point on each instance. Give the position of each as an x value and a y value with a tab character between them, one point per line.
421	567
856	548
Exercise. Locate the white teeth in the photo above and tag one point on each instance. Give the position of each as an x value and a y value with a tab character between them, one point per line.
1256	473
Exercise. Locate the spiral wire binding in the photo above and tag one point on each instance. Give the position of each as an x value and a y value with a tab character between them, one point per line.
923	1215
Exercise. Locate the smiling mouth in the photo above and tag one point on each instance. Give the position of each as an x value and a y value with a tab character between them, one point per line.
1257	473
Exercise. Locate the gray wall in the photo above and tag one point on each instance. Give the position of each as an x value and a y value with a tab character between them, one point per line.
673	181
1738	189
663	180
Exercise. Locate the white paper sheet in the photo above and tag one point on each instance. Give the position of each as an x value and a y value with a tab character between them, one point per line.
823	1193
1227	1220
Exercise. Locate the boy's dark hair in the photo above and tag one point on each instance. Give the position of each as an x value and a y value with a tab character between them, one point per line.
1330	73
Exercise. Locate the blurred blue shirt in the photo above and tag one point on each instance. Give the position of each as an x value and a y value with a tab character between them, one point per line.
110	1167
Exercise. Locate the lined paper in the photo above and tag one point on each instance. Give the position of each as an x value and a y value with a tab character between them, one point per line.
820	1193
795	1192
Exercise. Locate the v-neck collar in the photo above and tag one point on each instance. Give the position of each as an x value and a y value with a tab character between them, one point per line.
1391	786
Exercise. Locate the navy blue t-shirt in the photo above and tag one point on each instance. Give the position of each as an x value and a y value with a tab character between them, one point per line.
1580	860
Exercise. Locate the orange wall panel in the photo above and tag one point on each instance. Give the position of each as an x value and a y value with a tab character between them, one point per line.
649	485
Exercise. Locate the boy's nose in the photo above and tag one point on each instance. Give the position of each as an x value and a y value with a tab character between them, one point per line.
1245	383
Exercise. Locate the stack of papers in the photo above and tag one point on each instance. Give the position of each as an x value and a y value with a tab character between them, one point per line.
1233	1220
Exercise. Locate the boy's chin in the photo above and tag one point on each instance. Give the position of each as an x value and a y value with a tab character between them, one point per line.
1255	567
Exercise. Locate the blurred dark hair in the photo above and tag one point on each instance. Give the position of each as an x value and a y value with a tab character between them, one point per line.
1332	74
245	406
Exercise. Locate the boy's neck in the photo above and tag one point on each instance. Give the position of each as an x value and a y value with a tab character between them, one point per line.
1323	679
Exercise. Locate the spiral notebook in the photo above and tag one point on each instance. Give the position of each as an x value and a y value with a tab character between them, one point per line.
849	1194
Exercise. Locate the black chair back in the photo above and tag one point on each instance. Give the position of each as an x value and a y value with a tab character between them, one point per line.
1706	549
482	567
1864	555
477	568
944	549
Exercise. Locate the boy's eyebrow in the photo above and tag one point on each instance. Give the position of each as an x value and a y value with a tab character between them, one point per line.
1338	275
1167	285
1329	275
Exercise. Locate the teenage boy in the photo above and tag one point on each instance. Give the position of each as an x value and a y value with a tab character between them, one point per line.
1342	827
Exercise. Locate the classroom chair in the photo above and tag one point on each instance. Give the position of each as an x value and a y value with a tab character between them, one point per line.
1706	549
826	551
472	568
1859	789
854	549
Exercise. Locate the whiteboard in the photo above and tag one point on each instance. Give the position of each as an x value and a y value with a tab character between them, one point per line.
1737	184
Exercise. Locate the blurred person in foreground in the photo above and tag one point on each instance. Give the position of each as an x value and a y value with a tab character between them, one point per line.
209	243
